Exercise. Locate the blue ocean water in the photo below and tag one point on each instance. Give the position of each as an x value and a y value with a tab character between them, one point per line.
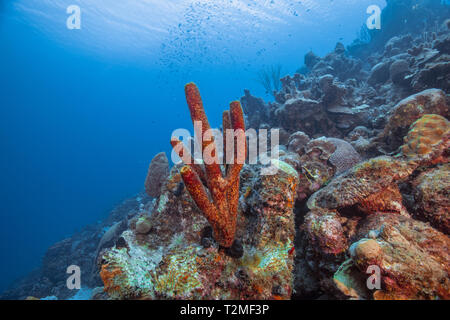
82	112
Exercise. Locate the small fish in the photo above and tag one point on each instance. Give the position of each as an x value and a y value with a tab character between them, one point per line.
308	174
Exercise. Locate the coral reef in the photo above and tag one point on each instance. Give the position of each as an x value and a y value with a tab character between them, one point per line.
361	186
367	211
363	166
359	220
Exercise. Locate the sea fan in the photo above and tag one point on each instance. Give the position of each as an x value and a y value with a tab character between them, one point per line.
269	77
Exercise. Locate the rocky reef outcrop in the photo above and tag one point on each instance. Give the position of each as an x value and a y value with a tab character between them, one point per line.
323	226
178	258
342	91
359	222
82	249
398	246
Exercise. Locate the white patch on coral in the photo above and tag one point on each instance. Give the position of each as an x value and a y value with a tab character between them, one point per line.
162	202
137	262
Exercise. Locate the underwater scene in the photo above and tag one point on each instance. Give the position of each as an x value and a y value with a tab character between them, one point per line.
225	150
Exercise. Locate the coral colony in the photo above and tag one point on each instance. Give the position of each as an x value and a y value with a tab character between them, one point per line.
357	208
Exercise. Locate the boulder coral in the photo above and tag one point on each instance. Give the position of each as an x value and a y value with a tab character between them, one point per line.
399	247
432	197
428	140
360	183
325	230
303	114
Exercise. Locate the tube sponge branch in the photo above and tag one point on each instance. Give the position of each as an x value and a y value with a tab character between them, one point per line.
215	194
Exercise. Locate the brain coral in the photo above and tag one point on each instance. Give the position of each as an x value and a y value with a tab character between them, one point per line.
345	156
428	139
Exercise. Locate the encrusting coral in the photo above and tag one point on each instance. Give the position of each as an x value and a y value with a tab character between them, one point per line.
221	212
